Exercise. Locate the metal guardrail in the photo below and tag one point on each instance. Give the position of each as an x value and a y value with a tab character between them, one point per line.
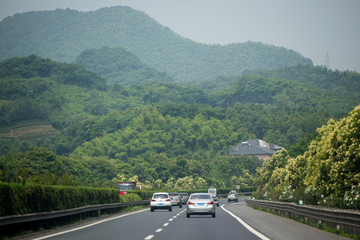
17	223
347	221
238	194
15	219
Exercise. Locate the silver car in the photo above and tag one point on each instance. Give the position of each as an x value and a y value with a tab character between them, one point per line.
175	199
200	204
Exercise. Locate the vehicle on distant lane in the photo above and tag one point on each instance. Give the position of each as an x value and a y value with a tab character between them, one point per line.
232	196
213	193
184	197
175	199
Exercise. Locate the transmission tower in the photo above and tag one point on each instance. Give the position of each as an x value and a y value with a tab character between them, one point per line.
327	61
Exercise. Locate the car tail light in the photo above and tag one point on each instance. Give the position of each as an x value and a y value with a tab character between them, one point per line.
168	200
190	203
153	200
210	203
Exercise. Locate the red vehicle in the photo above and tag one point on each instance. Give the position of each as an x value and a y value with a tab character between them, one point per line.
124	187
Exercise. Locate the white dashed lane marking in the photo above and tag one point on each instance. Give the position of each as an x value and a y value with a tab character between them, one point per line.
164	225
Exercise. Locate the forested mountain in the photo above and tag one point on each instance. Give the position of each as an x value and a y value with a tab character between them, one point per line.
34	87
289	94
63	34
346	84
95	133
119	66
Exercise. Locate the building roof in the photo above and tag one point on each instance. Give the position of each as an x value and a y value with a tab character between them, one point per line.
254	147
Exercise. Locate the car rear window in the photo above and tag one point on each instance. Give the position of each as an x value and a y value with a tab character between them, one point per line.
204	196
157	196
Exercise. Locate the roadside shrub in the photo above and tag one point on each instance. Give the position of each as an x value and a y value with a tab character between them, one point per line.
145	195
130	197
22	199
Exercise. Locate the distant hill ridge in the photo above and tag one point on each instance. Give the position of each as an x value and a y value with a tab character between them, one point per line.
63	34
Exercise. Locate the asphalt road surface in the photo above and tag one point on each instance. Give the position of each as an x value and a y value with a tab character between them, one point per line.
232	221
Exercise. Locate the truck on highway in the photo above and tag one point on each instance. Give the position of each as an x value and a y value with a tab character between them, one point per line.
212	192
124	187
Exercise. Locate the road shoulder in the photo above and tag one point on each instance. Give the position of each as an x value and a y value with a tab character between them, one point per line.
276	227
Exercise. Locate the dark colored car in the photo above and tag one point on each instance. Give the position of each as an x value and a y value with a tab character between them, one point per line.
184	197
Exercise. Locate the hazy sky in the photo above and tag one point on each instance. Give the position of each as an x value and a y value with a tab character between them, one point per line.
311	27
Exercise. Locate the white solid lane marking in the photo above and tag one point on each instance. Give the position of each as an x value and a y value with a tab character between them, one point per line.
89	225
165	224
262	237
149	237
159	230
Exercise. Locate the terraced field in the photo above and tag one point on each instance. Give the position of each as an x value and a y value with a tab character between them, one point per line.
28	129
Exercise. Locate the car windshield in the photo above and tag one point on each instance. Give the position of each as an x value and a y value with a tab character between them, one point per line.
157	196
173	194
204	196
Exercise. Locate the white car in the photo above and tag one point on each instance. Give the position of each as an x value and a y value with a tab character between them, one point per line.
160	200
232	196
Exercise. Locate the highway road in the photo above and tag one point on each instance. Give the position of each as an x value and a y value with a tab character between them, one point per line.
233	221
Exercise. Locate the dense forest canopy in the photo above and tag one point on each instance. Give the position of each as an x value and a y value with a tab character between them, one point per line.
63	34
342	83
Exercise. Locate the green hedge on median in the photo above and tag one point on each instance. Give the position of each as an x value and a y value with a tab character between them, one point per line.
21	199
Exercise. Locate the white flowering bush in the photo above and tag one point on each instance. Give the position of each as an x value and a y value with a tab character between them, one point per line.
287	195
352	197
312	195
328	174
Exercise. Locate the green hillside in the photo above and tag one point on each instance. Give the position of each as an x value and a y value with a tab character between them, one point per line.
346	84
89	132
118	66
289	94
63	34
69	98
